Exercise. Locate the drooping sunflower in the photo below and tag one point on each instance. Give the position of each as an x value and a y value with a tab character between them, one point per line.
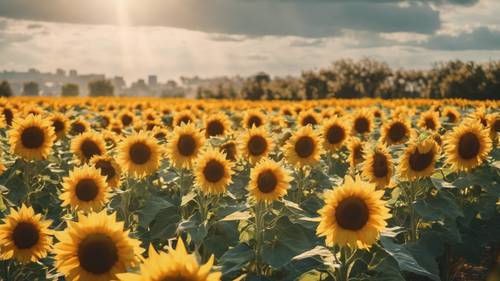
31	138
467	146
356	151
353	215
213	172
334	134
429	120
96	248
451	114
256	144
85	189
139	154
419	159
362	122
253	117
60	123
230	149
309	117
304	147
184	145
25	235
109	168
217	125
176	264
269	181
79	126
396	131
87	145
377	166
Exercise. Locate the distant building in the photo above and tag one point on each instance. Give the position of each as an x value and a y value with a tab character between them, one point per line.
152	80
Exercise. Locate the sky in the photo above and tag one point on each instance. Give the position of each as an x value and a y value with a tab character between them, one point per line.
208	38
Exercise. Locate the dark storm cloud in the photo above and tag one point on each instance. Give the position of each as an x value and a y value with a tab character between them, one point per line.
316	18
481	38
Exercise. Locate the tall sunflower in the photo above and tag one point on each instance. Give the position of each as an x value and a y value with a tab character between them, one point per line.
356	151
304	147
109	168
217	125
467	146
253	117
79	126
429	120
87	145
213	172
96	248
60	123
451	114
25	235
309	117
334	134
184	145
31	138
256	144
377	166
176	264
269	181
230	149
139	154
396	131
184	117
419	159
362	122
84	189
353	215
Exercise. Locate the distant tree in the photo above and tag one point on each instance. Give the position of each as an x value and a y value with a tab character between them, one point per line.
101	88
31	89
70	90
5	90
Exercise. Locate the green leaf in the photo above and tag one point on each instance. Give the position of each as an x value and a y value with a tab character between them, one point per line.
237	216
188	198
165	223
236	258
153	206
440	183
438	207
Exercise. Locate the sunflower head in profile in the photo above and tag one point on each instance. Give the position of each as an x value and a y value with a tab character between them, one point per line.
356	151
109	168
479	115
253	118
96	248
334	134
494	124
353	215
451	115
309	117
8	113
79	126
377	165
60	123
396	131
185	145
31	138
230	149
419	159
176	264
269	181
84	189
217	125
362	122
184	117
304	147
139	154
25	236
212	172
429	120
256	144
467	146
87	145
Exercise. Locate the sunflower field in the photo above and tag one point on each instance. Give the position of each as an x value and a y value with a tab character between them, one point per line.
192	190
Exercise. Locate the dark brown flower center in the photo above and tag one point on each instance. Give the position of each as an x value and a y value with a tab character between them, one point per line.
451	117
254	121
106	168
89	148
9	116
352	213
105	121
186	145
77	128
32	137
304	147
309	120
357	153
361	125
215	128
496	125
140	153
267	181
177	278
230	150
214	171
380	165
257	145
430	124
160	136
126	120
184	119
335	134
420	161
58	125
86	190
468	146
397	132
25	235
97	253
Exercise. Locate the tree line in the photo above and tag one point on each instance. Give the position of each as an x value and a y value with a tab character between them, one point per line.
30	88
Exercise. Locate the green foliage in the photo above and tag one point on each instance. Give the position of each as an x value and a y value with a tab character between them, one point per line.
31	89
70	90
101	88
5	90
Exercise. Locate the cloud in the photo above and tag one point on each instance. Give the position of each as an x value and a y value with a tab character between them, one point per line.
226	38
482	38
34	26
307	43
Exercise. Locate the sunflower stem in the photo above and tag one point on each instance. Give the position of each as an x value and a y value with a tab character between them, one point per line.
259	234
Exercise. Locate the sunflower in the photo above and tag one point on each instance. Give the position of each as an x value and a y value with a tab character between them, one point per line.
126	118
184	145
429	120
361	122
396	131
494	124
25	235
217	125
139	154
419	159
177	264
84	189
79	126
309	117
253	118
184	117
96	248
87	145
269	181
60	123
377	166
213	172
255	144
109	168
356	151
467	146
304	147
160	134
334	133
452	115
354	214
9	114
31	137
